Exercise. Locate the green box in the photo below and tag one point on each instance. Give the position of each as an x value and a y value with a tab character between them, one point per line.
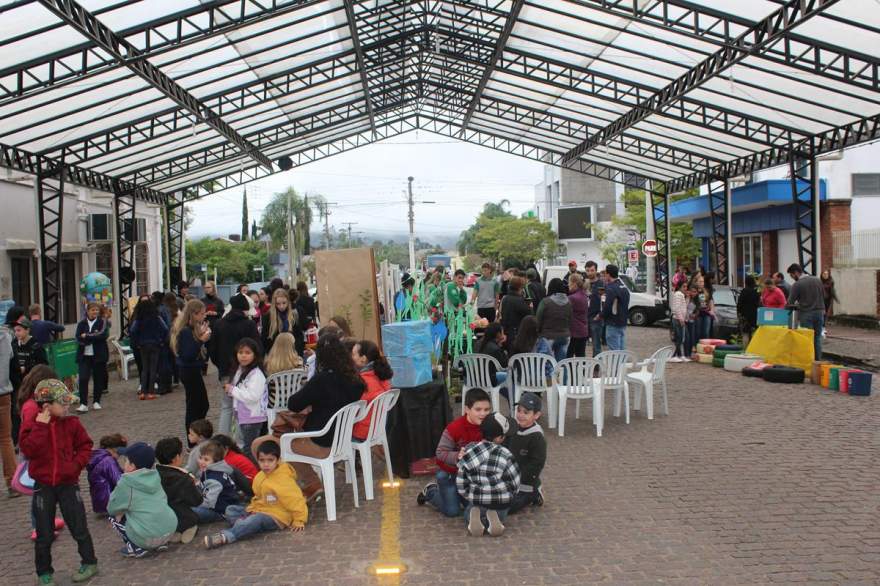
62	357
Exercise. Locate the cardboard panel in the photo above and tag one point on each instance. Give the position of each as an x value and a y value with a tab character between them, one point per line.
347	287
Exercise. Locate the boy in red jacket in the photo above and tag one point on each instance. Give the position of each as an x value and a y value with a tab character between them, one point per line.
58	448
458	435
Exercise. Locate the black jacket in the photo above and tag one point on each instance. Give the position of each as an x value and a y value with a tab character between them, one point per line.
97	337
213	303
327	393
747	306
536	293
294	328
182	493
227	332
616	291
305	307
529	448
496	352
513	309
24	358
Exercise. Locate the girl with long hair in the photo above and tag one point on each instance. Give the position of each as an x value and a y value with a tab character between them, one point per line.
281	358
376	374
580	328
148	334
554	318
188	337
341	323
493	344
248	391
280	318
168	373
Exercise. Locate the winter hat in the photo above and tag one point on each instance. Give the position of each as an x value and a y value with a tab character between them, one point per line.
239	302
139	454
14	314
493	425
52	390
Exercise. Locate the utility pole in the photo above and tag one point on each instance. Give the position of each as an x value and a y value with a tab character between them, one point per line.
326	227
412	234
291	239
650	263
349	224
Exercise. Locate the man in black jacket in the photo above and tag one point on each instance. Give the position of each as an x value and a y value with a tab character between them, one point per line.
615	309
228	331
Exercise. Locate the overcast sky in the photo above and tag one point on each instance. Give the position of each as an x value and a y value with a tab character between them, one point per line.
368	184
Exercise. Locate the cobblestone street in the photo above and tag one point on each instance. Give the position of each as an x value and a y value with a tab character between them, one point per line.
744	482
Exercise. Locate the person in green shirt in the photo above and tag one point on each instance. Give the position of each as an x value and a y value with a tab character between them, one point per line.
455	295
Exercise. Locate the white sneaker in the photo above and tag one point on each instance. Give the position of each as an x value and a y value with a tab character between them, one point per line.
96	406
82	409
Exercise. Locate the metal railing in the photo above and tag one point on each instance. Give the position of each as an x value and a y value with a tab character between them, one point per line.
860	248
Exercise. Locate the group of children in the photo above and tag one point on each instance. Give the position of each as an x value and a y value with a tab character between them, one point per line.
147	494
489	469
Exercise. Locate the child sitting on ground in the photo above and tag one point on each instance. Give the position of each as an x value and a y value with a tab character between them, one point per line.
180	488
138	506
529	448
104	471
199	432
487	479
58	448
216	484
278	501
465	430
248	391
243	470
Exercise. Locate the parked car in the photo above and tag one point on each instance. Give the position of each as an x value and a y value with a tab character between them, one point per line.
644	309
726	320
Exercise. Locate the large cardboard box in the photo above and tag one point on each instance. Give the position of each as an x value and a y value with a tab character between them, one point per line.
347	287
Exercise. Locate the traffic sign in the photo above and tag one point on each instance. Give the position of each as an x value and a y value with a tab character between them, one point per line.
632	255
649	248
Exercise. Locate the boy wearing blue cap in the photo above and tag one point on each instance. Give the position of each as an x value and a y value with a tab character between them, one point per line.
529	448
138	506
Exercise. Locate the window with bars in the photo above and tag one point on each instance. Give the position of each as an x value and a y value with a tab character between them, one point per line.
866	184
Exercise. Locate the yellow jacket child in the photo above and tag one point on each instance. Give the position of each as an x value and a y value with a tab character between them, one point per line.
278	495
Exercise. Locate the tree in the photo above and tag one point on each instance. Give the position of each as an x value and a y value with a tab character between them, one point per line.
509	239
235	261
254	235
467	243
244	217
275	218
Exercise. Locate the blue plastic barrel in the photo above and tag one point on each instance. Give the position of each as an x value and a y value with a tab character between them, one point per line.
860	384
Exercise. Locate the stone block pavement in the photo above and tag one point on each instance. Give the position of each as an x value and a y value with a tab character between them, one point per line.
744	482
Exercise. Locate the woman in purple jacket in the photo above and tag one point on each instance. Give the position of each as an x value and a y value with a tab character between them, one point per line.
577	347
104	470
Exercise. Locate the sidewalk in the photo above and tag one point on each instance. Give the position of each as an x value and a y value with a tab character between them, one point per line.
855	346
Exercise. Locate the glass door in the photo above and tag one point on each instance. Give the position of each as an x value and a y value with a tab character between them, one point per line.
749	257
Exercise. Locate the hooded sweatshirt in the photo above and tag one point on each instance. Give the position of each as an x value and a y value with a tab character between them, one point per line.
250	396
149	521
218	488
182	494
554	316
278	495
25	355
104	475
57	451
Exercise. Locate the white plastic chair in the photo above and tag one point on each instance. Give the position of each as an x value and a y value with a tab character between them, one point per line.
580	379
378	410
616	363
528	373
125	355
340	450
478	375
645	380
287	383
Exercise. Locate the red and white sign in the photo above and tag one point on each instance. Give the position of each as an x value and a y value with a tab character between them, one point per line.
650	248
632	255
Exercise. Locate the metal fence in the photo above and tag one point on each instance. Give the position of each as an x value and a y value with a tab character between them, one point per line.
860	248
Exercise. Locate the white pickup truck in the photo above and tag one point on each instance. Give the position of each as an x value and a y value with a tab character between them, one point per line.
644	309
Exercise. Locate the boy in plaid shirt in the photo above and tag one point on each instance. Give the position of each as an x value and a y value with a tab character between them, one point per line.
488	478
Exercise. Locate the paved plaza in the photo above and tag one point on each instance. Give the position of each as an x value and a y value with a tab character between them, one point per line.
744	482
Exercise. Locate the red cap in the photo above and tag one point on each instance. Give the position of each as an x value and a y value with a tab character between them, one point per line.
572	262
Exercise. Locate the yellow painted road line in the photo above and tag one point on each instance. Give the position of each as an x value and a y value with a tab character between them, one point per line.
388	566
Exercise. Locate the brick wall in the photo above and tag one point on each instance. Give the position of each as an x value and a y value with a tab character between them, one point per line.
834	216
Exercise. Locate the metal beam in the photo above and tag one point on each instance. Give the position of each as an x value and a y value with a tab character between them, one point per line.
359	55
174	240
133	58
21	160
171	31
50	215
720	209
660	217
751	41
124	203
804	171
500	43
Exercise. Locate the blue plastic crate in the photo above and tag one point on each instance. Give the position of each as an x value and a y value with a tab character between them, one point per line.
769	316
407	338
411	371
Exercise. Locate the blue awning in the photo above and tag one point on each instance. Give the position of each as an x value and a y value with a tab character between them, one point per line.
754	196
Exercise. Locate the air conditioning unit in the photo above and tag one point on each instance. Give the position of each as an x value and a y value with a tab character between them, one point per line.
99	227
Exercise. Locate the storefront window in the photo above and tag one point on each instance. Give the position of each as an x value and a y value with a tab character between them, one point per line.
749	257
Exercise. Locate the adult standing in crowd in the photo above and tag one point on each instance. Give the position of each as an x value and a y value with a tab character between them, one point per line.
336	383
830	293
168	372
615	309
572	271
514	308
305	306
536	290
747	307
594	287
808	294
182	293
188	336
42	330
92	355
281	318
7	452
214	306
779	281
554	318
227	333
577	347
149	334
772	296
455	296
486	290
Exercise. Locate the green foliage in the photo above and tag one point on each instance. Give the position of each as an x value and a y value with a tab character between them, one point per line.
397	253
467	242
235	261
516	239
275	215
365	304
244	217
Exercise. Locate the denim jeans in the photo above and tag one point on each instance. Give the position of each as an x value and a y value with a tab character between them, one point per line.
248	432
445	497
596	332
704	326
249	525
209	515
224	425
690	338
521	500
559	347
815	320
502	514
616	337
678	330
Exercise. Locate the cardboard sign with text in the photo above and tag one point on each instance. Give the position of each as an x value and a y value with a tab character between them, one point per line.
347	287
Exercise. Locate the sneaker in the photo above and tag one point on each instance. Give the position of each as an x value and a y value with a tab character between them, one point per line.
96	406
539	498
313	492
82	409
214	541
59	523
84	573
422	498
133	552
150	397
496	527
46	579
475	524
190	534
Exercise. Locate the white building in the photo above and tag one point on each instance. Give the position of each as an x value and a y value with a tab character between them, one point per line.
88	244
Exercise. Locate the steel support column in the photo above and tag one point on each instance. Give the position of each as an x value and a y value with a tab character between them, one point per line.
660	205
50	213
125	226
174	241
804	172
720	212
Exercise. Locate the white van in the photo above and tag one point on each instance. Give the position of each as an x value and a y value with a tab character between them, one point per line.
644	309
